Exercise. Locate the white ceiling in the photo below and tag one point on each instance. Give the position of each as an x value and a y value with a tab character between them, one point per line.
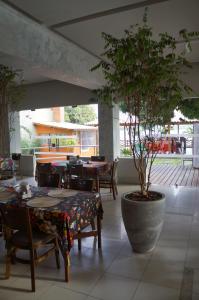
82	21
55	11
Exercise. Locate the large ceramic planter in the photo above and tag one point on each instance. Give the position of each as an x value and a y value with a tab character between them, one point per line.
143	222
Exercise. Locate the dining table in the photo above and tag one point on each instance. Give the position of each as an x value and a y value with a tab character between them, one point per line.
61	211
91	169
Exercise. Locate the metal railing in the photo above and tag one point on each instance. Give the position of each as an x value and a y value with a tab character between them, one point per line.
53	153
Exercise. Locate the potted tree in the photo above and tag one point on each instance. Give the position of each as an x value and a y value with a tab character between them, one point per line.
143	76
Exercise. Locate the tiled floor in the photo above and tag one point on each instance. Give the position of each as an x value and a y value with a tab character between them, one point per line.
115	273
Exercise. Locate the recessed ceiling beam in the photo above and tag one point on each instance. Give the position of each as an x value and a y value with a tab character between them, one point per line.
108	12
49	54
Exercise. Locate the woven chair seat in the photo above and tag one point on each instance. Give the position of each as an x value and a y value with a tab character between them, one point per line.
21	240
105	177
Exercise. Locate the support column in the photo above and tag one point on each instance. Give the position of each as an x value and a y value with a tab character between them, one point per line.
4	130
109	131
15	139
196	146
9	132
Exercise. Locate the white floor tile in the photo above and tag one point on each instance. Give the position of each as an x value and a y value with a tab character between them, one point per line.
112	287
148	291
169	253
132	267
164	273
55	292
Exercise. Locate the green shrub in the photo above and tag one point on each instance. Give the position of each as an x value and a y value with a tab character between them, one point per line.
126	152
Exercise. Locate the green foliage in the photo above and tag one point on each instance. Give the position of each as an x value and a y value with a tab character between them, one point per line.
126	152
36	143
143	76
168	161
189	129
11	86
190	108
68	142
80	114
27	130
11	93
65	142
28	143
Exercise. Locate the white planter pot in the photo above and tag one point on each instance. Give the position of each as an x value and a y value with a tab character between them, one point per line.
143	222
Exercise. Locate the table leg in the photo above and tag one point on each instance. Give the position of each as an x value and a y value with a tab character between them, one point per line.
66	257
67	265
97	184
99	232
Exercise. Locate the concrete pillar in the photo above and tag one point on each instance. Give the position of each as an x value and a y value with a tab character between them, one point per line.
9	133
15	139
109	131
196	146
4	130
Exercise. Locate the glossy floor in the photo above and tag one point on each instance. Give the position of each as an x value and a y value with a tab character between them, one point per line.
169	272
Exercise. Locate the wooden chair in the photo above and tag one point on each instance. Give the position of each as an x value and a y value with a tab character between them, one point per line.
86	185
109	179
81	184
68	157
75	171
72	172
98	158
45	177
18	234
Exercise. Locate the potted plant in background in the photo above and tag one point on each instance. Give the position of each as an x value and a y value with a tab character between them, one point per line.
143	76
11	93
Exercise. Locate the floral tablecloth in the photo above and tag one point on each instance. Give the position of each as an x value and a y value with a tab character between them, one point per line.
65	218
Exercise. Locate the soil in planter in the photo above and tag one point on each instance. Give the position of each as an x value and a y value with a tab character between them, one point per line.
138	196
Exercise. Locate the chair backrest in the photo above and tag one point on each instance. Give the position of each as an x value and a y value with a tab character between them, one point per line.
68	157
44	168
17	218
76	170
45	177
81	184
16	156
114	169
98	158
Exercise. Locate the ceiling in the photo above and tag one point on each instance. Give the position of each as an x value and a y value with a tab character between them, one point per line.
30	74
83	21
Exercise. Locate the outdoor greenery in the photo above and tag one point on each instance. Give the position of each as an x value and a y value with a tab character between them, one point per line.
126	152
30	145
80	114
190	108
65	142
168	161
143	76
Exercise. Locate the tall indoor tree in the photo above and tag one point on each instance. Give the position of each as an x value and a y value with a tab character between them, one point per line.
143	76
